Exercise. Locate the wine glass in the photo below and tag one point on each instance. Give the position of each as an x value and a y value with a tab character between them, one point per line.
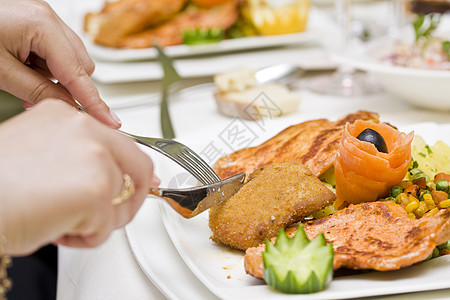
345	81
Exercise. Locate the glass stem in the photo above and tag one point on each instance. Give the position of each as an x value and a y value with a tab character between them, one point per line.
343	13
398	11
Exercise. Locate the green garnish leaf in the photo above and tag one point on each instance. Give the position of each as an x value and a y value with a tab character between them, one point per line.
297	265
446	48
422	154
424	25
413	165
428	149
203	36
444	246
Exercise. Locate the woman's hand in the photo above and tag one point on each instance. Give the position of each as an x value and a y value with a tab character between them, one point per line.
37	48
58	179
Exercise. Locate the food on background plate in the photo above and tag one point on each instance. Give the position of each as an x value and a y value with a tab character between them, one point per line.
239	95
427	51
313	143
194	25
374	235
362	172
142	23
271	17
209	3
274	197
124	17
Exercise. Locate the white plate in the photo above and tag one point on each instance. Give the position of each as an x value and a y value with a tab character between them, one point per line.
241	44
158	258
221	269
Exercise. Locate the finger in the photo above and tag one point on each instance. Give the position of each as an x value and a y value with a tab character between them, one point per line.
28	84
78	44
155	182
65	64
39	65
26	105
134	162
78	241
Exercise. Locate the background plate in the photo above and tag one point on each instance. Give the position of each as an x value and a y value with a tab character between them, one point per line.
233	45
74	17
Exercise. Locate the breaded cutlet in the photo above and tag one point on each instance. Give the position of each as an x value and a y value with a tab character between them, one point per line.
274	197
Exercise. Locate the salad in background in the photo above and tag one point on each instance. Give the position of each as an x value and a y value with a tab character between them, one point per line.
144	23
428	50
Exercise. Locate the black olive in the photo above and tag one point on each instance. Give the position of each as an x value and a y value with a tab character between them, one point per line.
373	137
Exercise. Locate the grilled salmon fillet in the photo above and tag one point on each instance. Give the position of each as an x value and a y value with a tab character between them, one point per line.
373	235
313	143
274	197
171	32
124	17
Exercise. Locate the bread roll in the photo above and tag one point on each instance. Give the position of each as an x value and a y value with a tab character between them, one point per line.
258	102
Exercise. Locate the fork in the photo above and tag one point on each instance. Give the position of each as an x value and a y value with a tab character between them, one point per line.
181	154
192	201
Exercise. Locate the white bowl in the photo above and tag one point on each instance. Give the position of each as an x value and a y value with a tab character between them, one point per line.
429	89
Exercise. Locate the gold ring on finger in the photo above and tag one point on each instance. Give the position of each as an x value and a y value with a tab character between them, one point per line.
127	191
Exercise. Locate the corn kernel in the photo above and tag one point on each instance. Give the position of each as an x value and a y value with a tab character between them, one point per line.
432	212
411	215
413	205
428	199
430	204
427	196
421	210
402	199
413	199
444	204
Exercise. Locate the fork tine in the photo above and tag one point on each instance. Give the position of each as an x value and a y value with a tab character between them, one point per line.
182	155
209	172
193	169
202	166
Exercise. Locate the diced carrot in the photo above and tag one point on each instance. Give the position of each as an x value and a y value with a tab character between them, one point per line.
439	196
412	190
440	176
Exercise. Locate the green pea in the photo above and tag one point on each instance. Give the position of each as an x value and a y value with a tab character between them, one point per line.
418	175
442	185
396	190
415	171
